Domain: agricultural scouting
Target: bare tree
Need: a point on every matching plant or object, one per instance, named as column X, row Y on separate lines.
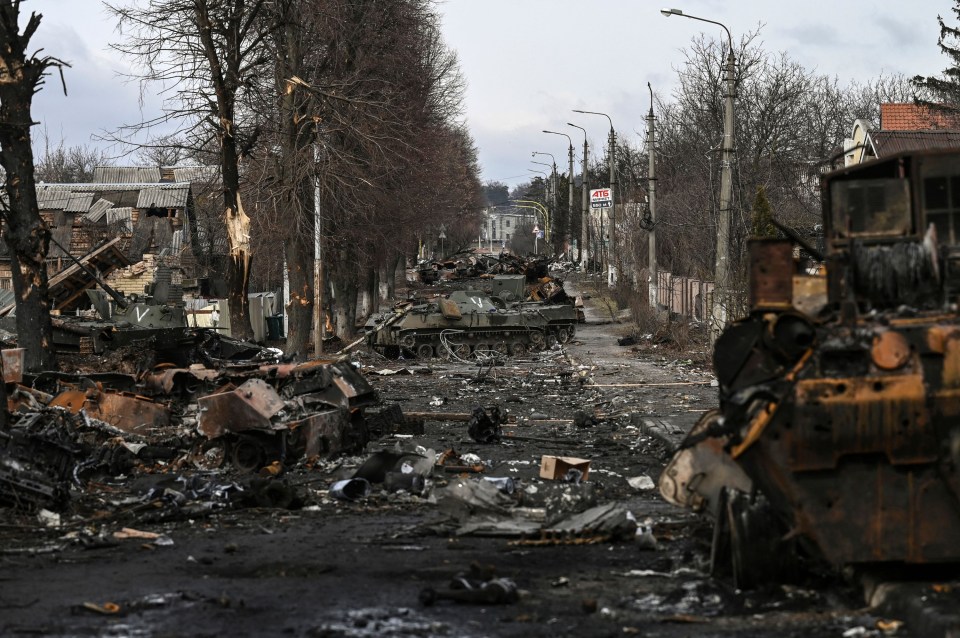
column 58, row 163
column 27, row 236
column 205, row 55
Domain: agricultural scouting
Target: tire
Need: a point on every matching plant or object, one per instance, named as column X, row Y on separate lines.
column 563, row 335
column 501, row 348
column 425, row 351
column 518, row 349
column 482, row 349
column 551, row 339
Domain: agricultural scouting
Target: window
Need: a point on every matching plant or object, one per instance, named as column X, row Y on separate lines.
column 941, row 199
column 871, row 208
column 508, row 234
column 508, row 226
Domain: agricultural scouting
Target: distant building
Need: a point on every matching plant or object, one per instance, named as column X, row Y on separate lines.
column 500, row 224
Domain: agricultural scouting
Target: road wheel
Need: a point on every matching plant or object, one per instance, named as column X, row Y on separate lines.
column 536, row 340
column 551, row 339
column 246, row 455
column 563, row 335
column 460, row 350
column 425, row 351
column 518, row 349
column 408, row 341
column 482, row 349
column 501, row 348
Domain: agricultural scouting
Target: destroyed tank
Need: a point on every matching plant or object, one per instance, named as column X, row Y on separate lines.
column 837, row 438
column 467, row 323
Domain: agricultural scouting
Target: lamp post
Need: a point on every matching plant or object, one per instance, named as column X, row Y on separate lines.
column 569, row 180
column 721, row 273
column 553, row 184
column 585, row 199
column 540, row 208
column 612, row 270
column 552, row 178
column 652, row 200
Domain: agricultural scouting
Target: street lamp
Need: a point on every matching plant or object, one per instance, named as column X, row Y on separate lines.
column 585, row 199
column 570, row 180
column 721, row 273
column 612, row 275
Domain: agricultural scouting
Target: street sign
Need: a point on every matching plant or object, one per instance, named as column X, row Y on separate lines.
column 535, row 230
column 601, row 198
column 539, row 234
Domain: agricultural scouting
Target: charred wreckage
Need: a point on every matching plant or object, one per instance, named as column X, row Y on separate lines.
column 837, row 435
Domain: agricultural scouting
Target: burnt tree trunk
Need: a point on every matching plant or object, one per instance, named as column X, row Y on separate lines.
column 27, row 236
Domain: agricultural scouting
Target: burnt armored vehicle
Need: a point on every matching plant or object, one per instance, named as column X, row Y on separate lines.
column 838, row 432
column 467, row 323
column 560, row 312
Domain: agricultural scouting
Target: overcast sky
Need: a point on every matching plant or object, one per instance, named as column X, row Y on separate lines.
column 529, row 62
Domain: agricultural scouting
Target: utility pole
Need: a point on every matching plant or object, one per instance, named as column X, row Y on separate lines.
column 721, row 274
column 585, row 200
column 652, row 197
column 569, row 183
column 611, row 152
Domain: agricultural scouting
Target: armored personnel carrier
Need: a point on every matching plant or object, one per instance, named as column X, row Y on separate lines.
column 838, row 432
column 510, row 292
column 464, row 324
column 158, row 314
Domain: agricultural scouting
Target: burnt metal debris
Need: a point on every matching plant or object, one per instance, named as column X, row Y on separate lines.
column 837, row 428
column 245, row 415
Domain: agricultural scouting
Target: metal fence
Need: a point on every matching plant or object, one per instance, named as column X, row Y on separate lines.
column 684, row 296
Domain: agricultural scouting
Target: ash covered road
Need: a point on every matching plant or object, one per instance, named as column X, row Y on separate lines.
column 601, row 557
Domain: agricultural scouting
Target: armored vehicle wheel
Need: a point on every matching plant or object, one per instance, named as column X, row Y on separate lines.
column 563, row 335
column 501, row 348
column 425, row 351
column 551, row 339
column 454, row 350
column 518, row 349
column 536, row 340
column 408, row 341
column 483, row 349
column 246, row 454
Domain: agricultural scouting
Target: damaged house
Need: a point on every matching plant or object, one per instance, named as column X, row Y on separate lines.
column 124, row 226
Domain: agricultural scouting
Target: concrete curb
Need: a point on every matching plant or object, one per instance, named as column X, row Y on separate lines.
column 669, row 434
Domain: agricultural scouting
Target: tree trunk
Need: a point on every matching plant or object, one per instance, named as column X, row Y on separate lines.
column 27, row 236
column 296, row 147
column 345, row 282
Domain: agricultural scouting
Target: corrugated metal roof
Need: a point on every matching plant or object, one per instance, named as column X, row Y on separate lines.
column 98, row 211
column 121, row 215
column 889, row 142
column 196, row 173
column 7, row 297
column 61, row 234
column 166, row 196
column 126, row 174
column 50, row 197
column 79, row 202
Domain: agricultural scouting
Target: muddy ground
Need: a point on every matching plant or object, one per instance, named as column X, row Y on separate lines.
column 327, row 567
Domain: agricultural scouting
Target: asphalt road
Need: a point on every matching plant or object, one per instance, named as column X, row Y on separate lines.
column 339, row 568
